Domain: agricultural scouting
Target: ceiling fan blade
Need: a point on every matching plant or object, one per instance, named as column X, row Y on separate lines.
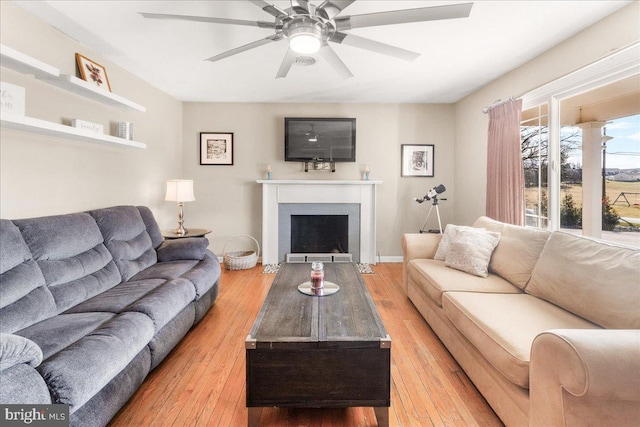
column 334, row 60
column 300, row 6
column 288, row 60
column 374, row 46
column 260, row 24
column 252, row 45
column 271, row 9
column 330, row 8
column 404, row 16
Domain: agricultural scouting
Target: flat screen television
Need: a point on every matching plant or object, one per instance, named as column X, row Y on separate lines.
column 319, row 139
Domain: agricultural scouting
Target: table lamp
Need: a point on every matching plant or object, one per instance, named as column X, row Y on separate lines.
column 180, row 190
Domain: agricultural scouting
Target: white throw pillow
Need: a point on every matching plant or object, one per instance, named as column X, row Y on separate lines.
column 447, row 237
column 470, row 251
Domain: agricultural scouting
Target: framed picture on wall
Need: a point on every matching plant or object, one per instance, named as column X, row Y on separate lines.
column 216, row 148
column 92, row 72
column 416, row 160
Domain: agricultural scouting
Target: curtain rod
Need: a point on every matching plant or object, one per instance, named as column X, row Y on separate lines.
column 497, row 103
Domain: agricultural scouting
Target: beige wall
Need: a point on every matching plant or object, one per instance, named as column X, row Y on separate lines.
column 614, row 32
column 42, row 175
column 230, row 201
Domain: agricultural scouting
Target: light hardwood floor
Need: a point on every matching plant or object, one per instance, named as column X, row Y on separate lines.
column 202, row 381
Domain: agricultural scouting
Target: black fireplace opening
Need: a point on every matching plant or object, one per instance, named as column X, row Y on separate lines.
column 319, row 234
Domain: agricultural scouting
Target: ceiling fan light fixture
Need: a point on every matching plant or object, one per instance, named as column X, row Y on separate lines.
column 305, row 39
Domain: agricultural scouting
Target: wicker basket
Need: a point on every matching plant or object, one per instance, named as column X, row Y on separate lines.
column 240, row 260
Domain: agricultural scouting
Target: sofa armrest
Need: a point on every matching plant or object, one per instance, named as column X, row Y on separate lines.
column 417, row 246
column 183, row 249
column 16, row 350
column 585, row 376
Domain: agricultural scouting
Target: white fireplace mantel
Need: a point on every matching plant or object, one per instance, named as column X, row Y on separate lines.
column 275, row 192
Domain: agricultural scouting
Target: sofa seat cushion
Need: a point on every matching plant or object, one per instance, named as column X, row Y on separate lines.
column 203, row 274
column 166, row 270
column 59, row 332
column 79, row 371
column 503, row 326
column 434, row 278
column 117, row 299
column 158, row 299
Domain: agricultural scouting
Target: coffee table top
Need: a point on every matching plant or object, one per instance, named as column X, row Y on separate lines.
column 345, row 319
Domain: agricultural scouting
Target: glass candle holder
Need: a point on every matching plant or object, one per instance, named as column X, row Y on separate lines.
column 317, row 276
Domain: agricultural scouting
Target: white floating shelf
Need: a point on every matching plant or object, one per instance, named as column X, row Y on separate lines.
column 81, row 87
column 25, row 64
column 29, row 124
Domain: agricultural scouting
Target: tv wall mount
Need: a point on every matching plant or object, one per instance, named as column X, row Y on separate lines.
column 319, row 165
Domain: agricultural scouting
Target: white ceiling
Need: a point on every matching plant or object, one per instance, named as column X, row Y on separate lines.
column 457, row 56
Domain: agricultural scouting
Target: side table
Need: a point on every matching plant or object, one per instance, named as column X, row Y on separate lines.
column 191, row 232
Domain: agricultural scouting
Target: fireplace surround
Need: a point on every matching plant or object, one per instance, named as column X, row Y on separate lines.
column 318, row 197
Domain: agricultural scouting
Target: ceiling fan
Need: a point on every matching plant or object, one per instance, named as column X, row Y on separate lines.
column 309, row 28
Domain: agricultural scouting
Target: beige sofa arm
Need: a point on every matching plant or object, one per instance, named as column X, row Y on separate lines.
column 417, row 246
column 585, row 377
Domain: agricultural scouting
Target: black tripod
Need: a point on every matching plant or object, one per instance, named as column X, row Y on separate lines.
column 434, row 203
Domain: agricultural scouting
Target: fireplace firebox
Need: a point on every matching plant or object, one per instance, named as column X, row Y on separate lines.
column 319, row 228
column 319, row 233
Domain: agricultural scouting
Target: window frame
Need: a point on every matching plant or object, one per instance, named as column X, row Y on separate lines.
column 621, row 64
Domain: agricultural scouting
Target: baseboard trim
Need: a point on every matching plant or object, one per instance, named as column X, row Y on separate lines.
column 389, row 259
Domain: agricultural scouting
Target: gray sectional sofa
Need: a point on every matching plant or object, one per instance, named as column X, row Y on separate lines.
column 91, row 302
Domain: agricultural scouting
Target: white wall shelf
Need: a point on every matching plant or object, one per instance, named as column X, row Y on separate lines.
column 25, row 64
column 43, row 127
column 83, row 88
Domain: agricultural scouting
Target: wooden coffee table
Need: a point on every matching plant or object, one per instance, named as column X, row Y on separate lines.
column 318, row 352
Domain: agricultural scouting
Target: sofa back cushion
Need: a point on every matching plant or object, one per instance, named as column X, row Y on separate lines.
column 488, row 224
column 595, row 280
column 126, row 237
column 70, row 252
column 152, row 226
column 24, row 299
column 517, row 252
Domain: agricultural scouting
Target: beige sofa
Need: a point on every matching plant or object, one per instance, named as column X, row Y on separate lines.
column 551, row 337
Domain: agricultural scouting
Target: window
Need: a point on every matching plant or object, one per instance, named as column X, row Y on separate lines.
column 567, row 148
column 535, row 161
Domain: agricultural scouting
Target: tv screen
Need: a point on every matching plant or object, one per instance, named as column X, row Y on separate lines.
column 319, row 139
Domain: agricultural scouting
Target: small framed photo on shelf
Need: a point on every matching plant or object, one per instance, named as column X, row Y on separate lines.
column 92, row 72
column 216, row 148
column 417, row 160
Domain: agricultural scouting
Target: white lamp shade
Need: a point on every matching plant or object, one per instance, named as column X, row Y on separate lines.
column 179, row 190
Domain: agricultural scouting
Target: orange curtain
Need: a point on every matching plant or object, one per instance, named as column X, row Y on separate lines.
column 505, row 174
